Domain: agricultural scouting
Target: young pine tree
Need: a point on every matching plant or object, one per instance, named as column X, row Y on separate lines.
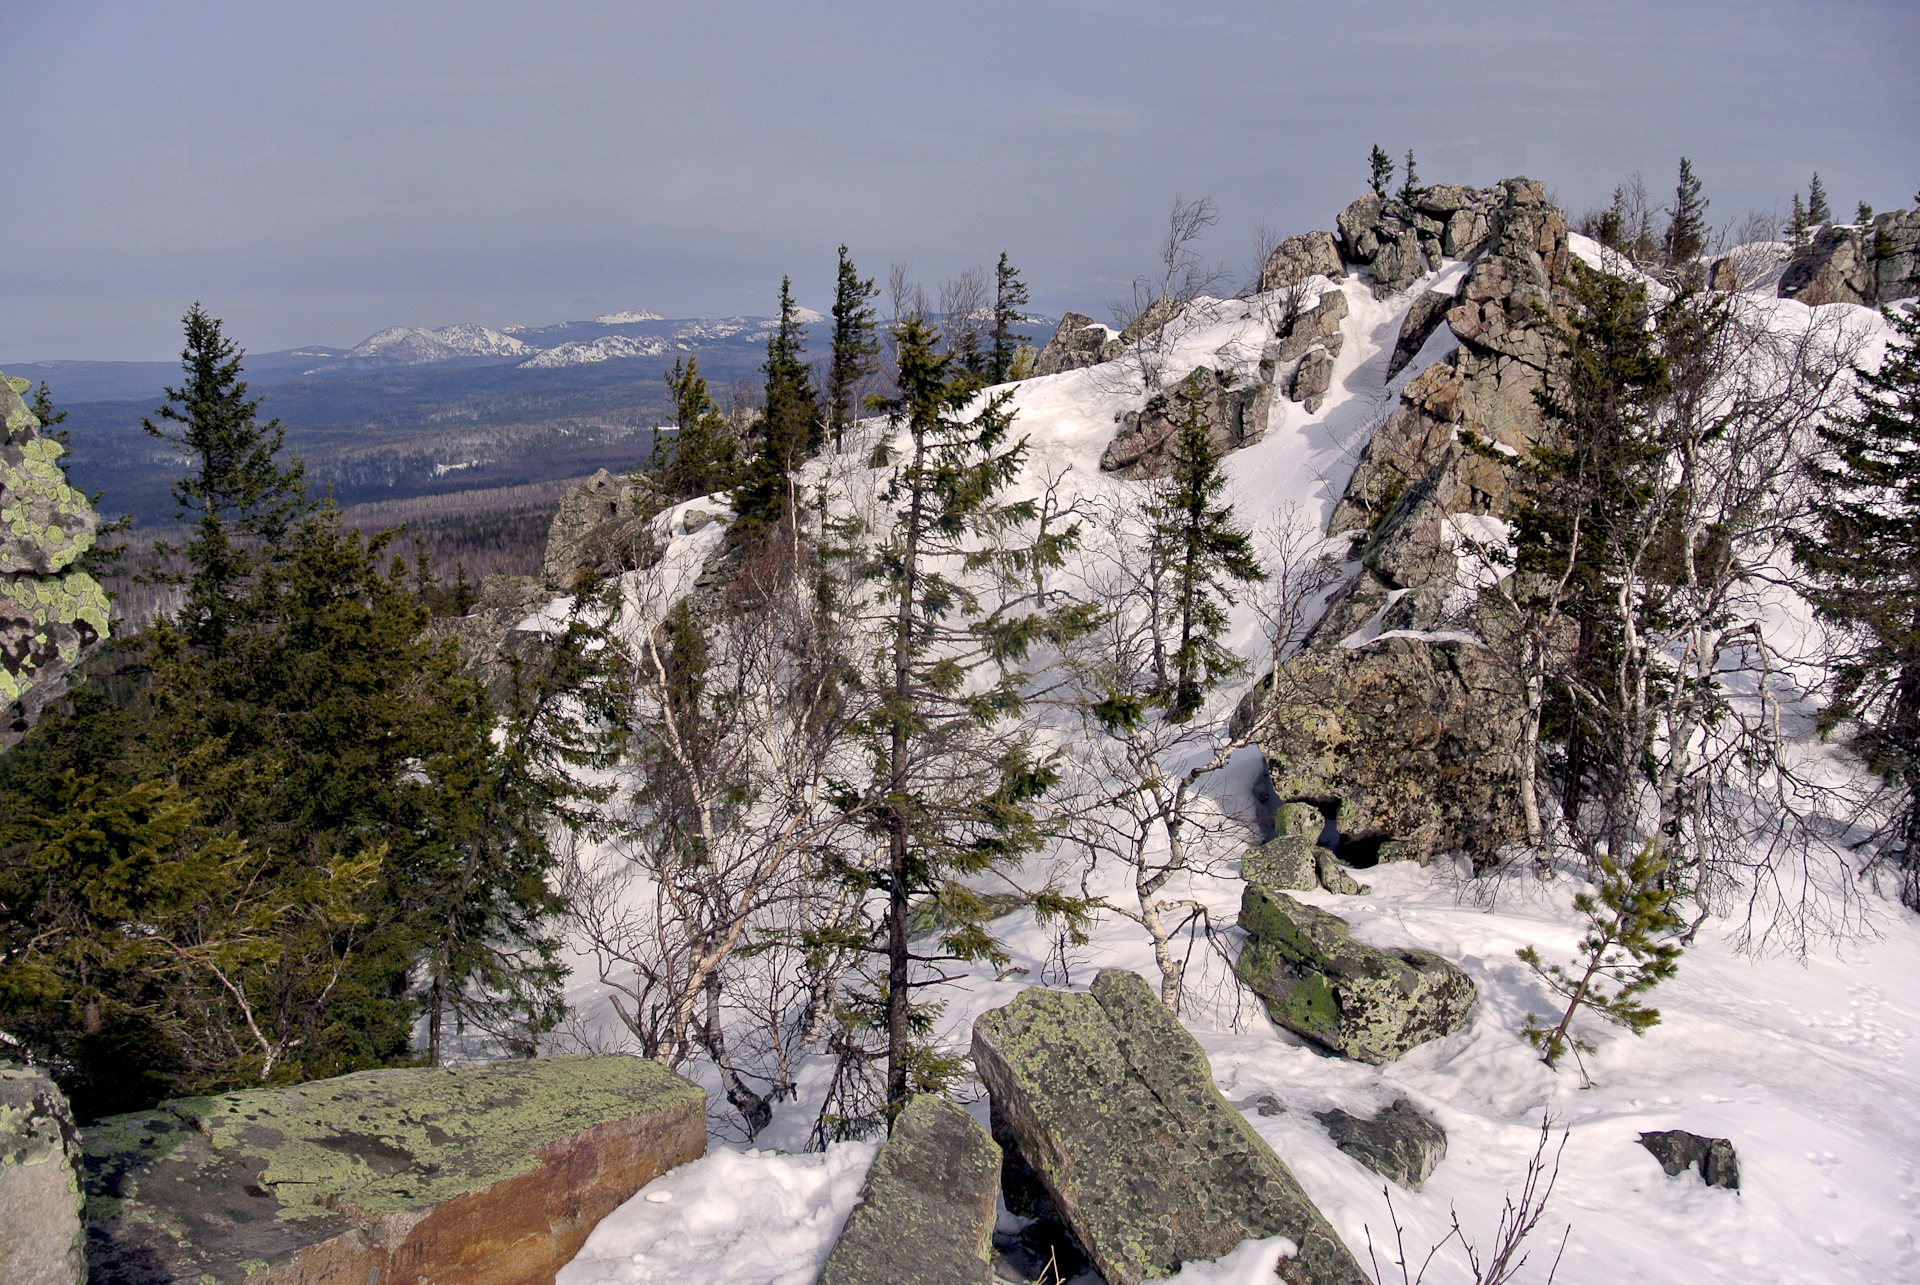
column 1410, row 188
column 1862, row 214
column 1687, row 228
column 1819, row 212
column 702, row 457
column 1797, row 223
column 1009, row 294
column 855, row 348
column 789, row 426
column 1205, row 554
column 1380, row 171
column 1864, row 562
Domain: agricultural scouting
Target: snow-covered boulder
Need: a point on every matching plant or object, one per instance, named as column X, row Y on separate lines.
column 1368, row 1004
column 1236, row 416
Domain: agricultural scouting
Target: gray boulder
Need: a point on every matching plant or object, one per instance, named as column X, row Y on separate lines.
column 41, row 1236
column 603, row 527
column 1869, row 265
column 1677, row 1150
column 1236, row 416
column 1315, row 327
column 1358, row 224
column 1299, row 257
column 1398, row 263
column 1312, row 379
column 1333, row 875
column 926, row 1211
column 1286, row 861
column 1399, row 1144
column 1112, row 1107
column 1368, row 1004
column 1078, row 341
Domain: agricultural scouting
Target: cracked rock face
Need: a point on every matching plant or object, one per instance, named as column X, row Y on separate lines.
column 1236, row 416
column 51, row 612
column 1111, row 1107
column 41, row 1239
column 1869, row 265
column 1361, row 1002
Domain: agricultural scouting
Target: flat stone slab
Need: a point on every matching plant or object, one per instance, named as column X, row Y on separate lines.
column 1368, row 1004
column 40, row 1232
column 1112, row 1106
column 1399, row 1143
column 481, row 1175
column 926, row 1212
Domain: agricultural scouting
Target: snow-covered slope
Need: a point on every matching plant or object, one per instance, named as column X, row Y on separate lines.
column 413, row 346
column 1811, row 1066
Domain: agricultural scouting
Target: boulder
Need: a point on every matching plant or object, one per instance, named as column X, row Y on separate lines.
column 52, row 613
column 1869, row 265
column 1299, row 257
column 1333, row 876
column 926, row 1212
column 1362, row 1002
column 1399, row 1144
column 1315, row 327
column 1286, row 861
column 1078, row 341
column 1112, row 1106
column 1428, row 311
column 1312, row 379
column 1236, row 416
column 1405, row 738
column 481, row 1175
column 1155, row 317
column 1677, row 1150
column 1398, row 263
column 603, row 526
column 41, row 1238
column 1357, row 223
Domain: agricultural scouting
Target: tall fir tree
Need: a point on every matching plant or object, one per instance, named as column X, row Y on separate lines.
column 702, row 457
column 1864, row 562
column 789, row 426
column 1009, row 295
column 856, row 347
column 1205, row 554
column 1818, row 211
column 1379, row 171
column 1687, row 228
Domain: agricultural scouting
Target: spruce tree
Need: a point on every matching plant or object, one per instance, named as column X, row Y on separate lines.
column 1687, row 229
column 1864, row 562
column 1863, row 214
column 1205, row 554
column 702, row 457
column 1410, row 188
column 789, row 426
column 242, row 499
column 1818, row 211
column 1797, row 223
column 1009, row 294
column 1380, row 171
column 855, row 347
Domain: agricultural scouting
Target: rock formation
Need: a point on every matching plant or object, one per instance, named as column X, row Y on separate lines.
column 1111, row 1105
column 51, row 612
column 1299, row 257
column 1870, row 265
column 1078, row 341
column 926, row 1212
column 1368, row 1004
column 1677, row 1151
column 1399, row 1143
column 1236, row 416
column 41, row 1239
column 1398, row 240
column 603, row 526
column 485, row 1175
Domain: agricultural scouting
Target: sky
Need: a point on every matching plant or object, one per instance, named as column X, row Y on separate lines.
column 316, row 172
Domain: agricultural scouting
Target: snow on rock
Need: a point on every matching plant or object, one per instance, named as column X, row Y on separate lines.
column 415, row 346
column 584, row 352
column 626, row 318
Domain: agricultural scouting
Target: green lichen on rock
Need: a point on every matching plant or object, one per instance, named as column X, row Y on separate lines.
column 1284, row 861
column 46, row 622
column 926, row 1211
column 41, row 1240
column 1112, row 1105
column 44, row 523
column 1368, row 1004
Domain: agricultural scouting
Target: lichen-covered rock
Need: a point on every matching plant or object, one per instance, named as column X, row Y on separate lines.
column 1078, row 342
column 1286, row 861
column 41, row 1238
column 1333, row 876
column 1236, row 416
column 926, row 1211
column 1113, row 1106
column 1870, row 265
column 1677, row 1151
column 1299, row 257
column 1312, row 379
column 44, row 523
column 1399, row 1144
column 482, row 1175
column 1365, row 1003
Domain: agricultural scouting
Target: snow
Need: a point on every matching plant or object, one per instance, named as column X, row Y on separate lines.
column 626, row 318
column 584, row 352
column 1810, row 1066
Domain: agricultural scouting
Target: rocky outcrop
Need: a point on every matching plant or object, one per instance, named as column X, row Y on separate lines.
column 1236, row 416
column 1368, row 1004
column 603, row 528
column 1677, row 1151
column 926, row 1211
column 1299, row 257
column 482, row 1175
column 1429, row 310
column 1869, row 265
column 1399, row 1144
column 1078, row 341
column 41, row 1241
column 1398, row 240
column 1111, row 1105
column 51, row 611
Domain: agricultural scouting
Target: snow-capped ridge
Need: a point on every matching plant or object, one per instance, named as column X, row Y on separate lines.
column 627, row 318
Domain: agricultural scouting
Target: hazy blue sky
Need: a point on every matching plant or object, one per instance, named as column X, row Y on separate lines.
column 314, row 172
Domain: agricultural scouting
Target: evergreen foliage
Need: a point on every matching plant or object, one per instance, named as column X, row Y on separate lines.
column 1863, row 214
column 1687, row 227
column 1410, row 188
column 1009, row 295
column 1797, row 222
column 1818, row 211
column 856, row 348
column 789, row 426
column 1864, row 560
column 1624, row 954
column 703, row 457
column 1380, row 171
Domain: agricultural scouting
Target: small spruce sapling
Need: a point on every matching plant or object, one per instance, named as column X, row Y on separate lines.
column 1382, row 176
column 1410, row 189
column 1863, row 214
column 1687, row 230
column 1797, row 223
column 1622, row 956
column 1818, row 210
